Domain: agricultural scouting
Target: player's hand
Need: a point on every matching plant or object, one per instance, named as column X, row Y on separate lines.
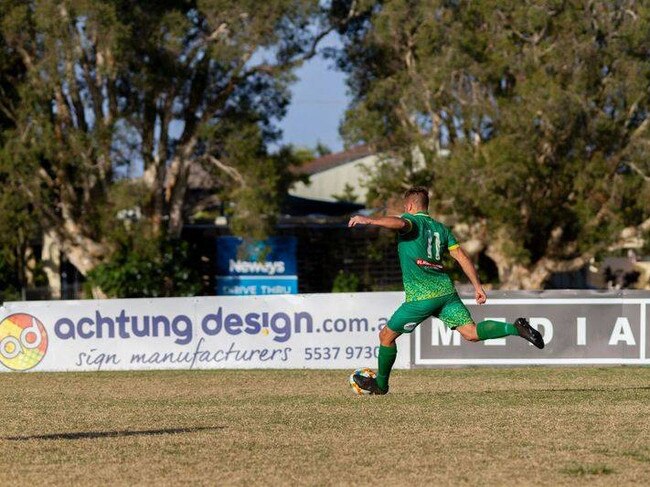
column 358, row 220
column 480, row 295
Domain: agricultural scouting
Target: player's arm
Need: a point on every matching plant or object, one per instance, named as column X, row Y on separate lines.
column 391, row 222
column 470, row 271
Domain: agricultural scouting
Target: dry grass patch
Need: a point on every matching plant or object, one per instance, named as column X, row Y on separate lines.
column 523, row 426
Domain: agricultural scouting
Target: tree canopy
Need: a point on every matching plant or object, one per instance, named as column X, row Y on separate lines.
column 527, row 119
column 116, row 100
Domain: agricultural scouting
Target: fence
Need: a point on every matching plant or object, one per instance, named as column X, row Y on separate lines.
column 310, row 331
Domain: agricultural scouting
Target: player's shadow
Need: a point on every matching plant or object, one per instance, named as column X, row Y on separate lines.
column 78, row 435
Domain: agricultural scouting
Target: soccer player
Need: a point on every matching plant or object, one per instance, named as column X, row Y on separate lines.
column 421, row 244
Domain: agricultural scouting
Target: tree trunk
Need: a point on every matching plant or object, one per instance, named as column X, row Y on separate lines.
column 84, row 262
column 82, row 252
column 154, row 179
column 175, row 190
column 513, row 275
column 518, row 276
column 51, row 259
column 177, row 198
column 98, row 293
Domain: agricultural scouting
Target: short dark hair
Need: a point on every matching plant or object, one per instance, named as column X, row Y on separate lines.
column 420, row 194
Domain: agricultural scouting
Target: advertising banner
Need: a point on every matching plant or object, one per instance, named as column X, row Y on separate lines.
column 302, row 331
column 578, row 328
column 318, row 331
column 256, row 267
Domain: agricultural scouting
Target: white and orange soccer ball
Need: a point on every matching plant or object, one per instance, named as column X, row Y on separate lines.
column 365, row 372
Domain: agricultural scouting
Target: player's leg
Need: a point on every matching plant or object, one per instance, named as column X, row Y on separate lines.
column 468, row 332
column 404, row 320
column 385, row 360
column 456, row 316
column 387, row 356
column 486, row 330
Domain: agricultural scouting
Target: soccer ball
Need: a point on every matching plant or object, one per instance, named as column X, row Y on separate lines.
column 365, row 372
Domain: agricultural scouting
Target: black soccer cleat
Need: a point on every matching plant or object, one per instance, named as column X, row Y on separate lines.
column 368, row 384
column 529, row 333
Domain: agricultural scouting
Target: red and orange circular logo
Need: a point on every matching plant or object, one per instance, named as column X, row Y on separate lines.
column 23, row 341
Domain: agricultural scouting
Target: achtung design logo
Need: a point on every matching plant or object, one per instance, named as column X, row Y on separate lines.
column 23, row 341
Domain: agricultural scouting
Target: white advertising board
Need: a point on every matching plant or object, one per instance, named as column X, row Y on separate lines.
column 579, row 328
column 291, row 331
column 318, row 331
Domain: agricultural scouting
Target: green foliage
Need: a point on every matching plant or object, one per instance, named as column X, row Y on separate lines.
column 254, row 201
column 147, row 268
column 302, row 154
column 347, row 194
column 94, row 91
column 17, row 231
column 528, row 118
column 8, row 282
column 346, row 282
column 16, row 226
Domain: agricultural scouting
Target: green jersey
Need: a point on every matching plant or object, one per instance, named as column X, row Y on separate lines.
column 421, row 248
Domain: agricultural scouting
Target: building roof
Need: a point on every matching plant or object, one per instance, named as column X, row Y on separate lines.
column 334, row 160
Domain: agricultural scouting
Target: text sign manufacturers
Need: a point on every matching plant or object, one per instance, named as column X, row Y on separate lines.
column 256, row 267
column 301, row 331
column 578, row 328
column 309, row 331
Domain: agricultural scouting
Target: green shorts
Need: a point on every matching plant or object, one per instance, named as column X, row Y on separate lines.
column 450, row 309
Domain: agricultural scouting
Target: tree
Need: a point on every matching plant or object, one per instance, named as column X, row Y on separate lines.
column 529, row 121
column 16, row 227
column 123, row 87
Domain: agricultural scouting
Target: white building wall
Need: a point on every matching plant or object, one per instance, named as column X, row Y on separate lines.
column 332, row 181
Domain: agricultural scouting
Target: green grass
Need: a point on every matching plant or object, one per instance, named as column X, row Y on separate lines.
column 473, row 426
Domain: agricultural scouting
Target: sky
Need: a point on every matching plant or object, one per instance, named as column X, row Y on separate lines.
column 319, row 99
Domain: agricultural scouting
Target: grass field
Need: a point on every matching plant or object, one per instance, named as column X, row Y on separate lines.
column 523, row 426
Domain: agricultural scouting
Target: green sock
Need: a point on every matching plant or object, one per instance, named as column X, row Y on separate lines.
column 386, row 360
column 495, row 329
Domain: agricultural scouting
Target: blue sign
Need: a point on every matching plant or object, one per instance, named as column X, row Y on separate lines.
column 245, row 285
column 256, row 266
